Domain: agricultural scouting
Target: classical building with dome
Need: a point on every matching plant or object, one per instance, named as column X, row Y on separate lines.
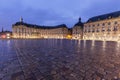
column 103, row 27
column 25, row 30
column 77, row 30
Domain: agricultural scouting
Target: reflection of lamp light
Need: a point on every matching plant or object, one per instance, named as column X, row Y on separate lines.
column 8, row 37
column 79, row 41
column 93, row 43
column 84, row 43
column 118, row 44
column 104, row 44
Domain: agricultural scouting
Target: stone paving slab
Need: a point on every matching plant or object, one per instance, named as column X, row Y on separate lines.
column 59, row 60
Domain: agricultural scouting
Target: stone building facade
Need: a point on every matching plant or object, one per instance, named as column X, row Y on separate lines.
column 103, row 27
column 5, row 34
column 77, row 30
column 24, row 30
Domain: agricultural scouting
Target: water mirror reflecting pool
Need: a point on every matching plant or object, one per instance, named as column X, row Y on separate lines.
column 51, row 59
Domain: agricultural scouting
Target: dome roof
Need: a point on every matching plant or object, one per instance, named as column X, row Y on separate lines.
column 38, row 26
column 79, row 23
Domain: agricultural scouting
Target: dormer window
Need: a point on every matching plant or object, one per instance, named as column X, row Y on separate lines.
column 89, row 20
column 103, row 28
column 109, row 17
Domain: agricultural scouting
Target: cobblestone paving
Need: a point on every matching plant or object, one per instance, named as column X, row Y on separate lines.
column 59, row 60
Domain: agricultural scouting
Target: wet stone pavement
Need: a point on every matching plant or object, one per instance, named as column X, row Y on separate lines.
column 59, row 60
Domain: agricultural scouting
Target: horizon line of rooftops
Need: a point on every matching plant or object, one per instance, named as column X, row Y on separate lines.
column 79, row 23
column 21, row 22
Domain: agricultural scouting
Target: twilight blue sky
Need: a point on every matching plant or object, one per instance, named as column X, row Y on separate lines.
column 53, row 12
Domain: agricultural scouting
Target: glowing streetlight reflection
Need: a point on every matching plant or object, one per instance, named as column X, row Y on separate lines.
column 93, row 44
column 79, row 42
column 104, row 44
column 118, row 46
column 84, row 43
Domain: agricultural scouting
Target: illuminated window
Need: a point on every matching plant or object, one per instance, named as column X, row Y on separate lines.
column 8, row 34
column 103, row 28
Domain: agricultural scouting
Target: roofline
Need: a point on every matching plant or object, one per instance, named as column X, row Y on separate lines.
column 101, row 16
column 38, row 26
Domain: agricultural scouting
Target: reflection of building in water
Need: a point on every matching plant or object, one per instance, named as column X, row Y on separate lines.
column 24, row 30
column 77, row 31
column 103, row 27
column 5, row 34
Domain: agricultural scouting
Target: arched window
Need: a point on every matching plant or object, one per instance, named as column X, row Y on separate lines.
column 103, row 28
column 109, row 23
column 103, row 24
column 115, row 22
column 115, row 28
column 98, row 24
column 108, row 28
column 97, row 30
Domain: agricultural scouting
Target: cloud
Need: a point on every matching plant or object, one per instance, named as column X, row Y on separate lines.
column 46, row 12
